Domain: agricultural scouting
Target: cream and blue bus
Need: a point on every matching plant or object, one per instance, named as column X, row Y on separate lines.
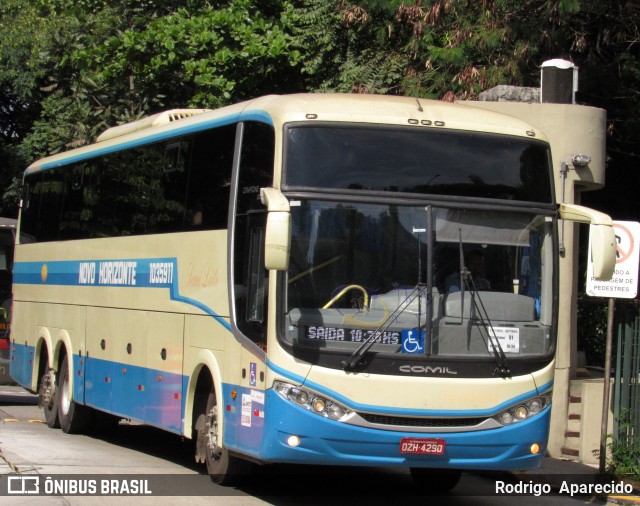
column 317, row 279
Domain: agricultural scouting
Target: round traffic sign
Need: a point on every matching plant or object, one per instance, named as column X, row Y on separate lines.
column 625, row 243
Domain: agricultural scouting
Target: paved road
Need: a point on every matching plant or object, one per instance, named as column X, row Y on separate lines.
column 29, row 447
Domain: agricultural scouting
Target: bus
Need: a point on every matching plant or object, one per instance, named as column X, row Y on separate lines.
column 272, row 280
column 7, row 241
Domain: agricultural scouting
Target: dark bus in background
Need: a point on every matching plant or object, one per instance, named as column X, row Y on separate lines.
column 7, row 240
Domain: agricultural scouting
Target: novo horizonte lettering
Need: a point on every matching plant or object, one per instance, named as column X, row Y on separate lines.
column 123, row 272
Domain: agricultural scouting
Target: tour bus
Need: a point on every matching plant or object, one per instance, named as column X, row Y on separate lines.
column 289, row 280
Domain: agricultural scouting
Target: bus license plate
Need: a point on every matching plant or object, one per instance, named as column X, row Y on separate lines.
column 422, row 446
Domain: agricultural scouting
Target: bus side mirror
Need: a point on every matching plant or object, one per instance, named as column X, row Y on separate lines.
column 603, row 251
column 603, row 239
column 278, row 234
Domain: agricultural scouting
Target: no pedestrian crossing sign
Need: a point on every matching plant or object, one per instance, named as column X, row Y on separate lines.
column 624, row 283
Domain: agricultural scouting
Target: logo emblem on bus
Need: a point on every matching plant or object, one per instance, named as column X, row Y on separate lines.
column 427, row 369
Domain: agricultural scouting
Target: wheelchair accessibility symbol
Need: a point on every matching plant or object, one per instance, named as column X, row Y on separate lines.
column 413, row 341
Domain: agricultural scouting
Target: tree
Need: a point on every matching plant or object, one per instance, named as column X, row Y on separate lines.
column 75, row 67
column 605, row 42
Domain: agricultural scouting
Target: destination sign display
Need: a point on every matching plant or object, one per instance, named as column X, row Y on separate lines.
column 351, row 335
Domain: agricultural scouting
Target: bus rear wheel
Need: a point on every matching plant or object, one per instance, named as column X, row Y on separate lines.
column 73, row 416
column 48, row 399
column 224, row 469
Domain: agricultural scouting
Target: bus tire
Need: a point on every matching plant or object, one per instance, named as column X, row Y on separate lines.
column 435, row 480
column 48, row 398
column 223, row 469
column 73, row 416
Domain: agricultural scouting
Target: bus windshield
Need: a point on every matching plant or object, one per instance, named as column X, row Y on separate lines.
column 457, row 279
column 417, row 160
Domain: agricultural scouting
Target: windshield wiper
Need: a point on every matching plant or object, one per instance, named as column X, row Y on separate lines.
column 356, row 356
column 466, row 280
column 502, row 367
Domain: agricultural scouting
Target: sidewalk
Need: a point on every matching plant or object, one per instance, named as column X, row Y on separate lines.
column 561, row 475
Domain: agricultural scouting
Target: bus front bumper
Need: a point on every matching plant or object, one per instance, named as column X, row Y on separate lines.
column 323, row 441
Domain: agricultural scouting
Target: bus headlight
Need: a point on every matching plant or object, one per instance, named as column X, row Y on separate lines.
column 302, row 397
column 524, row 410
column 521, row 412
column 311, row 401
column 319, row 404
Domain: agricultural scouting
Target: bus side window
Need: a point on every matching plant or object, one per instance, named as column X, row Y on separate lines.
column 211, row 162
column 256, row 277
column 52, row 191
column 173, row 162
column 30, row 205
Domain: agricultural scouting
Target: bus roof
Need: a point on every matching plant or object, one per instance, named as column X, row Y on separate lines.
column 280, row 109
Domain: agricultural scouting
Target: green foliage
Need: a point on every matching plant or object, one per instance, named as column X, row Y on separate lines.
column 10, row 198
column 199, row 58
column 96, row 63
column 432, row 48
column 623, row 459
column 25, row 43
column 73, row 67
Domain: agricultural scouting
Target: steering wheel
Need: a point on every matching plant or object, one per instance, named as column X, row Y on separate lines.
column 345, row 290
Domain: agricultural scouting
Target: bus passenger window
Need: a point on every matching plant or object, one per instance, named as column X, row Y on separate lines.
column 210, row 179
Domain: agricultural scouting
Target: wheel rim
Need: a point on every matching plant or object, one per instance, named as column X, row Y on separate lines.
column 65, row 401
column 48, row 389
column 214, row 450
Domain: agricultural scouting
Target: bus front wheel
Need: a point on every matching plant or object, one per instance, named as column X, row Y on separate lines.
column 224, row 469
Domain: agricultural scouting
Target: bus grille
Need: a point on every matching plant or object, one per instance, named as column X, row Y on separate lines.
column 405, row 421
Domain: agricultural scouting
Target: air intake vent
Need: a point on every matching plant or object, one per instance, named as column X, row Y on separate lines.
column 162, row 118
column 402, row 421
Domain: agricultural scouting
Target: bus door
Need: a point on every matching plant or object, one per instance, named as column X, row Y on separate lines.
column 250, row 280
column 251, row 314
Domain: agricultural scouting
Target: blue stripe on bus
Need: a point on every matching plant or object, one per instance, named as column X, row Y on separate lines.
column 21, row 363
column 547, row 386
column 147, row 395
column 152, row 396
column 142, row 394
column 261, row 116
column 356, row 406
column 121, row 273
